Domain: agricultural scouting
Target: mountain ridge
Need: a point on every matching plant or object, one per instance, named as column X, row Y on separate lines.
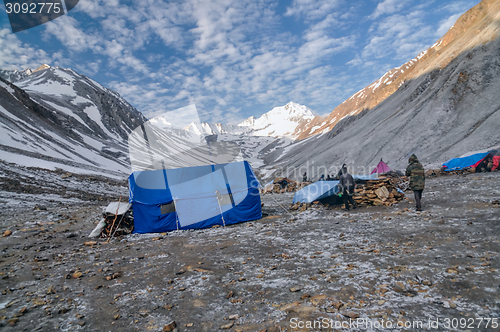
column 77, row 125
column 475, row 27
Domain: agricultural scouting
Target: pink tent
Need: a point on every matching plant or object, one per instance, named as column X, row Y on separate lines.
column 381, row 168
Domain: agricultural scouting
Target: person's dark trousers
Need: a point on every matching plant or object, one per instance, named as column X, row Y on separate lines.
column 347, row 197
column 418, row 199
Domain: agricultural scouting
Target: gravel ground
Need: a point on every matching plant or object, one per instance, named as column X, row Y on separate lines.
column 285, row 272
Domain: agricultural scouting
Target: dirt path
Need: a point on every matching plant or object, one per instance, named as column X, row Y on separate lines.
column 384, row 264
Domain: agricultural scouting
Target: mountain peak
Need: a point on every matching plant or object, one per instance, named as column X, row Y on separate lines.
column 280, row 121
column 42, row 67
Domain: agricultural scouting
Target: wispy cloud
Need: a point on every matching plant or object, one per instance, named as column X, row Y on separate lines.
column 15, row 54
column 389, row 7
column 312, row 10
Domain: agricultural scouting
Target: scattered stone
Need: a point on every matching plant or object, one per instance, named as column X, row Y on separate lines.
column 169, row 327
column 12, row 321
column 113, row 276
column 51, row 290
column 427, row 283
column 350, row 314
column 233, row 317
column 7, row 233
column 227, row 326
column 337, row 305
column 318, row 299
column 77, row 275
column 117, row 316
column 189, row 324
column 295, row 289
column 399, row 287
column 236, row 301
column 229, row 295
column 305, row 296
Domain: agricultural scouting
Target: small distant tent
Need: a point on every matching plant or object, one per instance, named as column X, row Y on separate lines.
column 194, row 197
column 326, row 191
column 381, row 168
column 473, row 160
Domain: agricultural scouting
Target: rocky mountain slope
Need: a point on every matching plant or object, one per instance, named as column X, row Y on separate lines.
column 56, row 118
column 445, row 108
column 477, row 26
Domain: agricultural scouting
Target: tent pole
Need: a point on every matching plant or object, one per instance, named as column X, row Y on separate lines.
column 220, row 209
column 176, row 216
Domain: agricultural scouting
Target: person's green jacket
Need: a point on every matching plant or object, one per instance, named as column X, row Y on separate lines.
column 416, row 173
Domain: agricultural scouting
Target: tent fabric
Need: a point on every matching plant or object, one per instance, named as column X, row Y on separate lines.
column 464, row 162
column 194, row 197
column 381, row 168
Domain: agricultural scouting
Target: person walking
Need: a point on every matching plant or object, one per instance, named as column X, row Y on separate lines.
column 347, row 185
column 304, row 177
column 415, row 171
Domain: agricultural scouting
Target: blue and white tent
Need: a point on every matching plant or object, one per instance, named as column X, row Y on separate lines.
column 194, row 197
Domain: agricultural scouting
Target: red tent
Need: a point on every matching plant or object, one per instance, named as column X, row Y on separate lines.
column 381, row 168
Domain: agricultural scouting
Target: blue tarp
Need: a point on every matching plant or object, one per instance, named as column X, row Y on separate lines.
column 316, row 191
column 322, row 189
column 464, row 162
column 194, row 197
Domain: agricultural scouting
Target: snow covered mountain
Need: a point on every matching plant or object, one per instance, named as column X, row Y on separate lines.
column 281, row 121
column 56, row 118
column 447, row 107
column 476, row 27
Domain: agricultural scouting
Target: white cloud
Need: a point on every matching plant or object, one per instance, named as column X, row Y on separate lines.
column 388, row 7
column 15, row 54
column 66, row 30
column 400, row 37
column 312, row 9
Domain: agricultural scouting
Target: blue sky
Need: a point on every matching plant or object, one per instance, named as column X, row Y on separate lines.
column 232, row 58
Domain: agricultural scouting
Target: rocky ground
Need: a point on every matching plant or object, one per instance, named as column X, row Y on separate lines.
column 375, row 265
